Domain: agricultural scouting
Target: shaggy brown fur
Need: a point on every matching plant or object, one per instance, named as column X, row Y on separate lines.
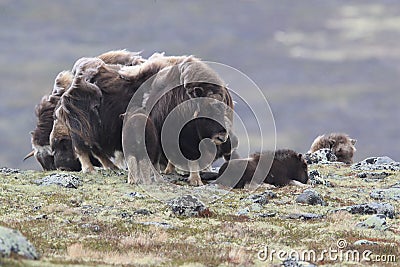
column 56, row 133
column 286, row 167
column 140, row 144
column 340, row 144
column 93, row 105
column 176, row 85
column 122, row 57
column 40, row 136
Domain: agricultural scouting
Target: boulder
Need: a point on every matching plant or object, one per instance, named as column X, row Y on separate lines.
column 310, row 197
column 12, row 242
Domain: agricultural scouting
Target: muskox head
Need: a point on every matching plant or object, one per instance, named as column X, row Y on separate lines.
column 295, row 165
column 340, row 144
column 61, row 145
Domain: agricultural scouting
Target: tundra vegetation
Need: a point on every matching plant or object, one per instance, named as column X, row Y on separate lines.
column 99, row 219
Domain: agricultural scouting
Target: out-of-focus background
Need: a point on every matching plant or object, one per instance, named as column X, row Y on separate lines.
column 324, row 66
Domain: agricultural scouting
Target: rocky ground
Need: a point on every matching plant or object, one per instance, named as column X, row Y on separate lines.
column 346, row 216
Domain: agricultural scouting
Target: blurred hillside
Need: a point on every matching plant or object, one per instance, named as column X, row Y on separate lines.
column 323, row 65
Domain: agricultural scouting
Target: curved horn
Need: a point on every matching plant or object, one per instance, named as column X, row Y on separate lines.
column 30, row 154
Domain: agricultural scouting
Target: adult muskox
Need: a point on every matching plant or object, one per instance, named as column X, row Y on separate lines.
column 191, row 110
column 51, row 143
column 91, row 107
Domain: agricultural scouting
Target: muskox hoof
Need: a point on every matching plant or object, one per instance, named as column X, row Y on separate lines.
column 195, row 180
column 90, row 170
column 170, row 169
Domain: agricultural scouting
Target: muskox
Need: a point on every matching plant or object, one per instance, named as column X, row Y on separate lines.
column 286, row 167
column 340, row 144
column 92, row 105
column 192, row 112
column 52, row 145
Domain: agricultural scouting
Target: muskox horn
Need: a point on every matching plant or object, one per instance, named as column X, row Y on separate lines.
column 30, row 154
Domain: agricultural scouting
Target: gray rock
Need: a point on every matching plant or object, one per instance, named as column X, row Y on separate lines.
column 363, row 242
column 373, row 176
column 392, row 193
column 316, row 178
column 187, row 206
column 267, row 215
column 377, row 222
column 377, row 163
column 60, row 179
column 262, row 198
column 293, row 262
column 310, row 197
column 243, row 212
column 142, row 212
column 304, row 216
column 322, row 156
column 5, row 170
column 135, row 195
column 371, row 208
column 13, row 242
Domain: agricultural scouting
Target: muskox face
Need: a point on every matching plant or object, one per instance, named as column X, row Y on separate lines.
column 344, row 150
column 297, row 168
column 44, row 156
column 64, row 156
column 213, row 115
column 61, row 145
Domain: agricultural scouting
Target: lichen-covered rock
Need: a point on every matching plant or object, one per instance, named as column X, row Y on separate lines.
column 376, row 221
column 293, row 262
column 304, row 216
column 392, row 193
column 316, row 178
column 377, row 163
column 373, row 176
column 13, row 242
column 188, row 206
column 363, row 242
column 6, row 170
column 135, row 195
column 60, row 179
column 322, row 156
column 262, row 198
column 371, row 208
column 310, row 197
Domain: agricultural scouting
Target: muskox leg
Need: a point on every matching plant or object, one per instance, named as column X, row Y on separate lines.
column 194, row 177
column 133, row 170
column 169, row 169
column 105, row 161
column 119, row 160
column 139, row 171
column 84, row 159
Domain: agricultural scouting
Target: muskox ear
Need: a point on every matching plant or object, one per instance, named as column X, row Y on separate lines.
column 195, row 91
column 353, row 141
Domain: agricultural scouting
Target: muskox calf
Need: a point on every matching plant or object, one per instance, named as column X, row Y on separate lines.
column 287, row 167
column 340, row 144
column 140, row 143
